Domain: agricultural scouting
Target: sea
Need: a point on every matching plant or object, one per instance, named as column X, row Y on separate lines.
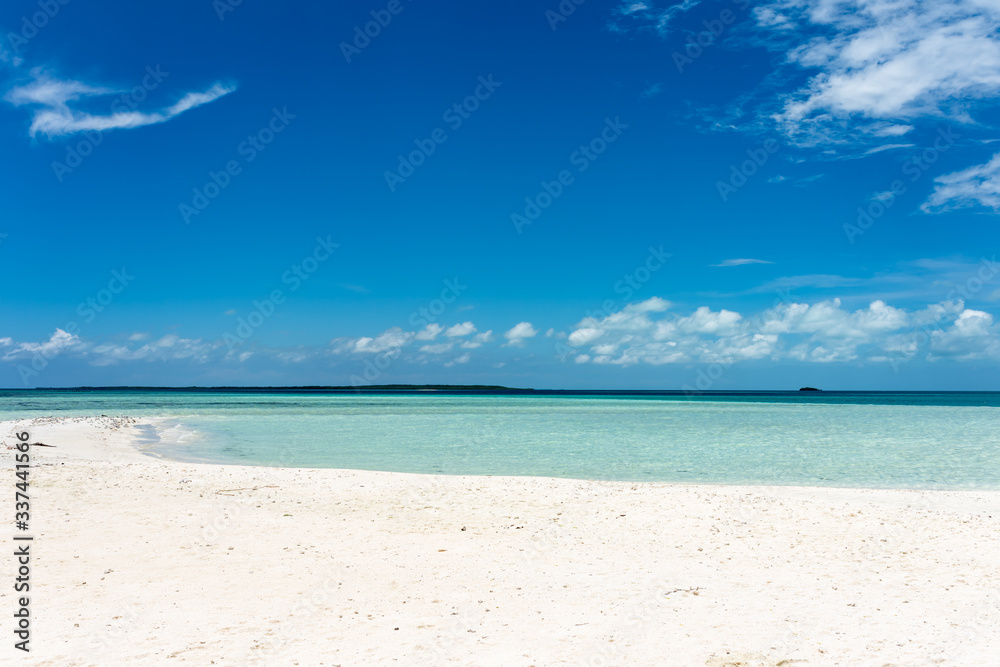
column 902, row 440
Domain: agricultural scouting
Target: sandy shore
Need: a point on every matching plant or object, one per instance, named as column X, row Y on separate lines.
column 138, row 560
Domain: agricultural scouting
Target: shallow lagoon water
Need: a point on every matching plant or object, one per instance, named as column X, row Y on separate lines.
column 921, row 441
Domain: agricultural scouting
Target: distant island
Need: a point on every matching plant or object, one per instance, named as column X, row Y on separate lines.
column 464, row 388
column 499, row 390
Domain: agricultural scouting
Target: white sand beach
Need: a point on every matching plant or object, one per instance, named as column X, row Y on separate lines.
column 138, row 560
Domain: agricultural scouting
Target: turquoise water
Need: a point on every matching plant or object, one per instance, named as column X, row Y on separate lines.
column 943, row 441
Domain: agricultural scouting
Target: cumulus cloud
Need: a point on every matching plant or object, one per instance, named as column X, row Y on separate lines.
column 703, row 320
column 437, row 348
column 632, row 318
column 821, row 332
column 585, row 335
column 56, row 109
column 169, row 347
column 478, row 340
column 519, row 332
column 429, row 332
column 58, row 342
column 463, row 329
column 392, row 339
column 413, row 346
column 972, row 335
column 828, row 318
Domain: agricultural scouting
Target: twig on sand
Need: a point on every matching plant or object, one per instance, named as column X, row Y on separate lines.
column 34, row 444
column 225, row 492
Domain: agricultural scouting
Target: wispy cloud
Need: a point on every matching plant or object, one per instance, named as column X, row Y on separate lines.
column 884, row 147
column 888, row 61
column 651, row 91
column 631, row 14
column 805, row 181
column 741, row 262
column 867, row 73
column 54, row 100
column 975, row 186
column 819, row 281
column 464, row 359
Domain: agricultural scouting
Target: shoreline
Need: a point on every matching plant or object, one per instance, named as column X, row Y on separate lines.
column 253, row 564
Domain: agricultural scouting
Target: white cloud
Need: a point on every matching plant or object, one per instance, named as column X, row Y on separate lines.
column 888, row 130
column 167, row 348
column 520, row 331
column 652, row 305
column 649, row 332
column 972, row 336
column 459, row 360
column 703, row 320
column 830, row 320
column 885, row 60
column 395, row 341
column 632, row 318
column 58, row 342
column 463, row 329
column 872, row 71
column 741, row 262
column 392, row 339
column 54, row 99
column 822, row 332
column 633, row 7
column 437, row 348
column 478, row 340
column 429, row 332
column 585, row 335
column 769, row 17
column 975, row 186
column 885, row 147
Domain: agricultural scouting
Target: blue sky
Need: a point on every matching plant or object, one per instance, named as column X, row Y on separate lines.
column 707, row 195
